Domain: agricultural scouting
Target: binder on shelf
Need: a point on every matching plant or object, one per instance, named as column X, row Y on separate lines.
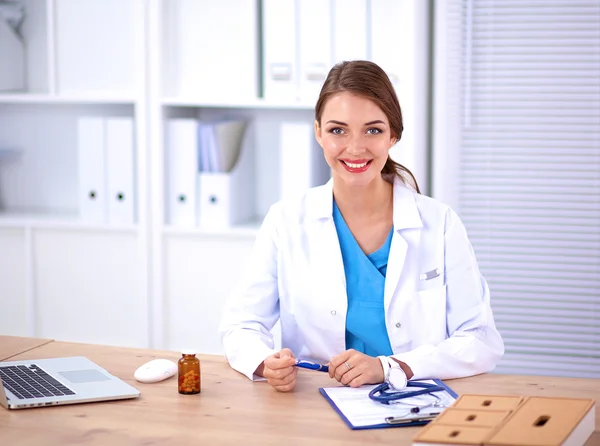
column 120, row 170
column 225, row 188
column 12, row 48
column 349, row 33
column 84, row 48
column 314, row 24
column 301, row 161
column 182, row 171
column 279, row 51
column 223, row 72
column 93, row 199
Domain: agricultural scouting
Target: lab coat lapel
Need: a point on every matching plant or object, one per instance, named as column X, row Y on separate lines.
column 330, row 265
column 326, row 253
column 407, row 221
column 396, row 260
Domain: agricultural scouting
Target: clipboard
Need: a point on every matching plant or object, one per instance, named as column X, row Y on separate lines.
column 358, row 411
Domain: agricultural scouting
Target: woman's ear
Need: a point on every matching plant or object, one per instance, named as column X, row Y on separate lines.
column 318, row 133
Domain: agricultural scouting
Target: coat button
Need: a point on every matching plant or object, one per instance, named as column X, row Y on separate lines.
column 398, row 325
column 333, row 312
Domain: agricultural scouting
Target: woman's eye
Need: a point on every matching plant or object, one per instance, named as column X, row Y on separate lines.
column 374, row 131
column 337, row 130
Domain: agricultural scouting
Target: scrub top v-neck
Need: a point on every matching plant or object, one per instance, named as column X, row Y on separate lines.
column 365, row 281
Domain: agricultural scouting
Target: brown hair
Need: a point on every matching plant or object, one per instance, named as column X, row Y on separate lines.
column 369, row 80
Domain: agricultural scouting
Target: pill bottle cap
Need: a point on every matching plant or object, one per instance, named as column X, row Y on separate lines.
column 188, row 352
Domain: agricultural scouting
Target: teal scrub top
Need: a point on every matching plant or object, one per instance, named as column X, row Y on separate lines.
column 365, row 281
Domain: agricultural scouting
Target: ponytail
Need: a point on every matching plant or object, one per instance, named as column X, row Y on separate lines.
column 405, row 175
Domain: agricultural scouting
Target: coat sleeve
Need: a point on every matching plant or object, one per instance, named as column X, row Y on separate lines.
column 253, row 308
column 474, row 345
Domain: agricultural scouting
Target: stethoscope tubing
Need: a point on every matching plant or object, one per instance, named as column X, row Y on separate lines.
column 388, row 397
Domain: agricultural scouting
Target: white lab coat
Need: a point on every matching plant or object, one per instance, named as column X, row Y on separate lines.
column 441, row 327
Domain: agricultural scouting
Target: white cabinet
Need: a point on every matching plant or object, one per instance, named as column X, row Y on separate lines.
column 200, row 272
column 90, row 287
column 14, row 298
column 138, row 64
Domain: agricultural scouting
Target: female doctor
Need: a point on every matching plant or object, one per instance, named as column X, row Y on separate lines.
column 364, row 273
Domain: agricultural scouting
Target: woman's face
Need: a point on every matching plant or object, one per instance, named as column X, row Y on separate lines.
column 355, row 137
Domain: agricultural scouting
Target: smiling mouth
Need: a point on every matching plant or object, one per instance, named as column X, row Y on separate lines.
column 356, row 165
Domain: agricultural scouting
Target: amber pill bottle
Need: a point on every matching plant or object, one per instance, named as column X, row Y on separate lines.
column 188, row 368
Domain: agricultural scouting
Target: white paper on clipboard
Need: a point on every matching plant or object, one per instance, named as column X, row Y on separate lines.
column 360, row 412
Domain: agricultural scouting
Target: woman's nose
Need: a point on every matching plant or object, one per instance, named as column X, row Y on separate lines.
column 356, row 145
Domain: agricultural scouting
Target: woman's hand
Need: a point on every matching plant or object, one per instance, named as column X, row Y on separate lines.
column 279, row 370
column 354, row 369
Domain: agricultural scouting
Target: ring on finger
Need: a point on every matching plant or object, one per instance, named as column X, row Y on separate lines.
column 347, row 365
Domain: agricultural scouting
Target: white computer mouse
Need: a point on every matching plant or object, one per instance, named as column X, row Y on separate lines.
column 155, row 371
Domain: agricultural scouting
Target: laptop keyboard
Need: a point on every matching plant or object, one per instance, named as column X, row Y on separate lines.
column 31, row 382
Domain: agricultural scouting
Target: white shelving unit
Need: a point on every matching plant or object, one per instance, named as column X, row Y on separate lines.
column 151, row 283
column 54, row 99
column 60, row 276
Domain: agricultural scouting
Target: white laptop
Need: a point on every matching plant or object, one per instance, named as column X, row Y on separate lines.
column 49, row 382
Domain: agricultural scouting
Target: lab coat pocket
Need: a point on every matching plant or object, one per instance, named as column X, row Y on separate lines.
column 430, row 309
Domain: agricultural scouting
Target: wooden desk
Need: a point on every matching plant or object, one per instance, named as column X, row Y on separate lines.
column 230, row 409
column 13, row 345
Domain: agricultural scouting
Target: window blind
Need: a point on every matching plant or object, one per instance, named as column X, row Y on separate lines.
column 517, row 154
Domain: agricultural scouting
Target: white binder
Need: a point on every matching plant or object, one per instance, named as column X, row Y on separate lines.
column 387, row 23
column 314, row 17
column 120, row 167
column 93, row 202
column 349, row 31
column 301, row 160
column 216, row 46
column 279, row 51
column 182, row 171
column 227, row 198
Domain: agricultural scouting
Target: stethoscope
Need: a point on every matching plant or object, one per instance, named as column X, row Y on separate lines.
column 380, row 395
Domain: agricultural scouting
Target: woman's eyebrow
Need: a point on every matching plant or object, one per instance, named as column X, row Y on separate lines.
column 333, row 121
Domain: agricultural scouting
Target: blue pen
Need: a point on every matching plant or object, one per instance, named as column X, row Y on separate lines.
column 311, row 365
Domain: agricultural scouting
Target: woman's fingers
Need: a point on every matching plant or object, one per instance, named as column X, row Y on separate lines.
column 354, row 369
column 357, row 381
column 350, row 375
column 286, row 387
column 286, row 353
column 286, row 379
column 286, row 383
column 281, row 360
column 342, row 370
column 280, row 371
column 339, row 361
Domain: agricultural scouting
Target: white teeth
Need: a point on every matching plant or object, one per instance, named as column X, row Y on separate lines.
column 355, row 166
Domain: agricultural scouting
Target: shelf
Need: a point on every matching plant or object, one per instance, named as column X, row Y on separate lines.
column 55, row 221
column 258, row 104
column 43, row 98
column 249, row 229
